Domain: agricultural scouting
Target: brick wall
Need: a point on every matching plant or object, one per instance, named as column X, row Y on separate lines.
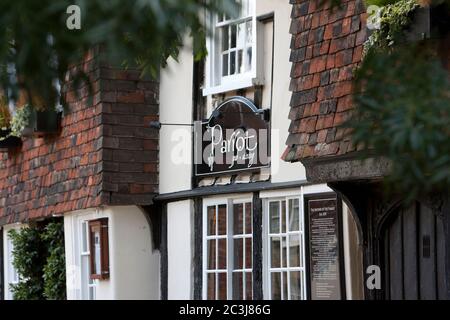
column 105, row 154
column 326, row 46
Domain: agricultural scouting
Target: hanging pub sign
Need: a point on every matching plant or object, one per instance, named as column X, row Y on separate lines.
column 325, row 249
column 235, row 138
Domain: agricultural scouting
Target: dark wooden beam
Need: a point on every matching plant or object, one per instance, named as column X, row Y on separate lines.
column 446, row 221
column 229, row 189
column 198, row 248
column 257, row 247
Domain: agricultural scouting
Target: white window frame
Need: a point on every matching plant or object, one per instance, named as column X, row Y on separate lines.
column 13, row 276
column 84, row 256
column 268, row 270
column 244, row 236
column 229, row 202
column 10, row 273
column 214, row 81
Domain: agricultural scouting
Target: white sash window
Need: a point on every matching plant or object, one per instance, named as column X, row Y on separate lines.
column 285, row 248
column 232, row 62
column 228, row 250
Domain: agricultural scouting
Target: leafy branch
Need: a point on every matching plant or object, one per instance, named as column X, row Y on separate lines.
column 402, row 109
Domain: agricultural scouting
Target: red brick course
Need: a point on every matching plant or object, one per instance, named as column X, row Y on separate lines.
column 326, row 46
column 105, row 154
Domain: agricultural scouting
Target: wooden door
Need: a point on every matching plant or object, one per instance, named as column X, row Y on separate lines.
column 413, row 254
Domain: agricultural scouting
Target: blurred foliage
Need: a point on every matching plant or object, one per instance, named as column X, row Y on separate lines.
column 36, row 47
column 423, row 3
column 55, row 267
column 29, row 254
column 39, row 258
column 402, row 110
column 379, row 3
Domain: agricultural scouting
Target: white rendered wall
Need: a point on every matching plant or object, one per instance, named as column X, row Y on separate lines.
column 179, row 246
column 175, row 149
column 137, row 264
column 281, row 171
column 134, row 265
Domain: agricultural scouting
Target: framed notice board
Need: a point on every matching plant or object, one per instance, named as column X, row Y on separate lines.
column 324, row 247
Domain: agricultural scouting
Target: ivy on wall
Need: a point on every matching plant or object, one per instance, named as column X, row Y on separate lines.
column 38, row 257
column 394, row 19
column 402, row 102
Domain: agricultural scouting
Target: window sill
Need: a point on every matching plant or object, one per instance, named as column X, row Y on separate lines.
column 237, row 84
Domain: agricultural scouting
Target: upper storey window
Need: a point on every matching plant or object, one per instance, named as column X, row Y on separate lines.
column 232, row 59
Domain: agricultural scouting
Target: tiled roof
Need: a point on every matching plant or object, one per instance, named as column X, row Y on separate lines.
column 105, row 153
column 326, row 46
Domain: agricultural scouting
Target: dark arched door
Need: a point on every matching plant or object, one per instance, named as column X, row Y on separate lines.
column 413, row 254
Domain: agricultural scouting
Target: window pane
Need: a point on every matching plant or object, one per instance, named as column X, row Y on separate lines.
column 211, row 220
column 294, row 250
column 274, row 214
column 222, row 215
column 275, row 252
column 225, row 39
column 301, row 253
column 97, row 251
column 225, row 65
column 249, row 32
column 238, row 217
column 238, row 253
column 233, row 62
column 222, row 254
column 294, row 215
column 248, row 253
column 238, row 286
column 248, row 286
column 240, row 65
column 222, row 286
column 211, row 285
column 284, row 255
column 13, row 276
column 91, row 293
column 245, row 9
column 248, row 59
column 84, row 238
column 296, row 293
column 211, row 254
column 276, row 285
column 238, row 4
column 233, row 36
column 85, row 277
column 285, row 286
column 248, row 218
column 241, row 35
column 283, row 216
